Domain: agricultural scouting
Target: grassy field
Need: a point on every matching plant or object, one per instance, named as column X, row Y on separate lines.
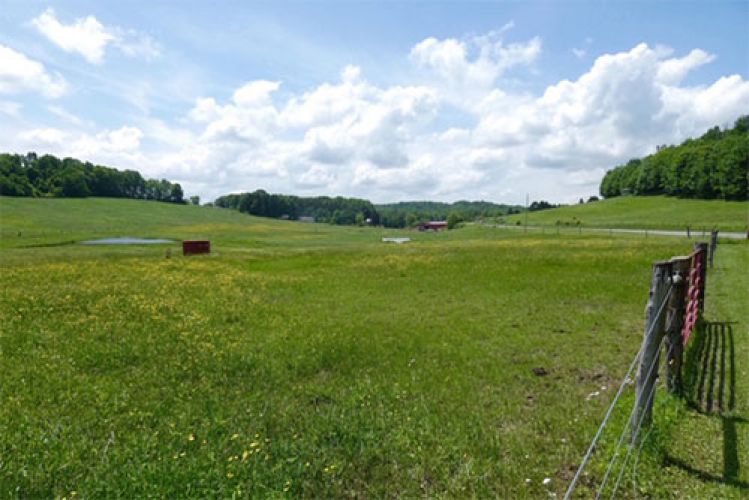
column 312, row 360
column 646, row 212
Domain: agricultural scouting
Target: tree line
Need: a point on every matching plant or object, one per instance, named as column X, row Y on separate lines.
column 355, row 211
column 335, row 210
column 715, row 165
column 47, row 175
column 412, row 213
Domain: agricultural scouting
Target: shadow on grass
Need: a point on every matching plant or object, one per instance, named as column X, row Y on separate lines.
column 710, row 388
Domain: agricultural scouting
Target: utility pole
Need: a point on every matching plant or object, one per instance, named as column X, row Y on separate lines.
column 526, row 212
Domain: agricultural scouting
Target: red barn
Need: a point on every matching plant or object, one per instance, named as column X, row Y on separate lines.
column 433, row 225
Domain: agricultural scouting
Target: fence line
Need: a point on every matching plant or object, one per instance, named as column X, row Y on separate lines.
column 679, row 284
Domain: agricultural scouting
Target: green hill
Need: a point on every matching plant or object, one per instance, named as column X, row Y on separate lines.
column 645, row 212
column 50, row 221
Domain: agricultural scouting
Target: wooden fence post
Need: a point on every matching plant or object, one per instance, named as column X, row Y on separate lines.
column 688, row 233
column 650, row 350
column 675, row 321
column 713, row 244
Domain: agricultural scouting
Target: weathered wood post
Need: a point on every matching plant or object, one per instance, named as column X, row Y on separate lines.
column 676, row 309
column 647, row 372
column 713, row 244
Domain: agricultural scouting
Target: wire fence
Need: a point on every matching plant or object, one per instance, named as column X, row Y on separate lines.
column 675, row 305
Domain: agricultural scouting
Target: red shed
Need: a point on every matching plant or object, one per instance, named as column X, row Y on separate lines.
column 194, row 247
column 433, row 225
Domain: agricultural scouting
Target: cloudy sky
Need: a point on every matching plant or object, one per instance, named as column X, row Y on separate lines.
column 387, row 101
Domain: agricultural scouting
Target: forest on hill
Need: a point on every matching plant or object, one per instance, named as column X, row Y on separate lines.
column 335, row 210
column 47, row 175
column 714, row 166
column 410, row 213
column 348, row 211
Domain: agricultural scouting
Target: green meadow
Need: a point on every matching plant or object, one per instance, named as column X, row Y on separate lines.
column 309, row 360
column 646, row 212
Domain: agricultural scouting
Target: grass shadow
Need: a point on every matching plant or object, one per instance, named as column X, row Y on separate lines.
column 709, row 386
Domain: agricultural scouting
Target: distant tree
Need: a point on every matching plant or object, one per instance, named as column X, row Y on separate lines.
column 15, row 185
column 453, row 220
column 540, row 205
column 72, row 184
column 176, row 195
column 742, row 125
column 411, row 219
column 592, row 199
column 195, row 200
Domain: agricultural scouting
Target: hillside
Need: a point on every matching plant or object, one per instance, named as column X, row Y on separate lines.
column 645, row 212
column 714, row 166
column 50, row 221
column 408, row 213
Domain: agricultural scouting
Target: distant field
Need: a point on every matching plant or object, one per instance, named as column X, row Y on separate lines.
column 49, row 221
column 309, row 360
column 646, row 212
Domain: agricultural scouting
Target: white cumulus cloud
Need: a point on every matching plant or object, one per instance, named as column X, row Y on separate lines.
column 476, row 63
column 88, row 37
column 18, row 74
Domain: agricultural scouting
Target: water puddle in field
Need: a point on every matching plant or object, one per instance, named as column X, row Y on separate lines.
column 127, row 241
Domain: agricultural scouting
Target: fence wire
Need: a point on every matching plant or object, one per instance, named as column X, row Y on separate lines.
column 619, row 392
column 627, row 425
column 636, row 431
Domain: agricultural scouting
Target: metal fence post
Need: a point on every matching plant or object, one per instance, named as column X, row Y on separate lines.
column 650, row 350
column 675, row 321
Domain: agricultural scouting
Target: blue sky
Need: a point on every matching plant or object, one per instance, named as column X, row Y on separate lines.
column 386, row 100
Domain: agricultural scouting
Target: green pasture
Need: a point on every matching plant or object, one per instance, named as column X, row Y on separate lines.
column 646, row 212
column 316, row 361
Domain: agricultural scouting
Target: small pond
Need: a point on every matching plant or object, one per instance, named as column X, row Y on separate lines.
column 127, row 241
